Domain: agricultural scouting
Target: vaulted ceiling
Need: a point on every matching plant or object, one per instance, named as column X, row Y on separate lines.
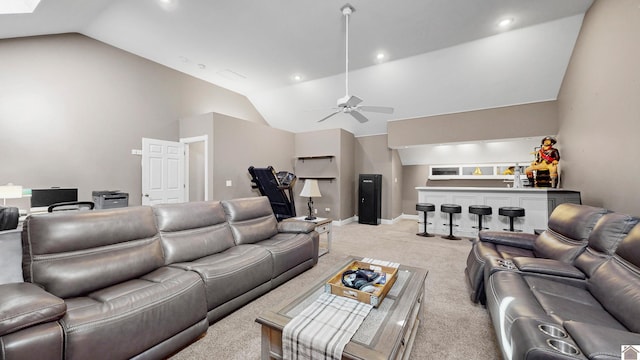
column 441, row 56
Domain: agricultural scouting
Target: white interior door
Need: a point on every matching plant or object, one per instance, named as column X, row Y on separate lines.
column 162, row 172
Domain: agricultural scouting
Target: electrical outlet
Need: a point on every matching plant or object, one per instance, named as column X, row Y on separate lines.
column 327, row 209
column 229, row 183
column 315, row 211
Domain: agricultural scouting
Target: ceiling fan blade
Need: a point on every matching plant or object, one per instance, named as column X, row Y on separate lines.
column 358, row 116
column 378, row 109
column 330, row 115
column 353, row 101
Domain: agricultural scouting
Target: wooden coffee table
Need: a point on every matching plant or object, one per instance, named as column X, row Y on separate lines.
column 387, row 332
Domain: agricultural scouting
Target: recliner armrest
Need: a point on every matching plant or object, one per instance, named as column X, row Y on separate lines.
column 296, row 226
column 600, row 342
column 521, row 240
column 547, row 266
column 24, row 304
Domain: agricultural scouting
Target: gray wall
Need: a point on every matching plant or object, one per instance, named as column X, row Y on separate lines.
column 239, row 144
column 234, row 145
column 599, row 108
column 348, row 181
column 373, row 156
column 72, row 108
column 490, row 124
column 323, row 143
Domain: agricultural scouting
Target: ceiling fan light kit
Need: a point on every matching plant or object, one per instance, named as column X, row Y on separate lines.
column 350, row 104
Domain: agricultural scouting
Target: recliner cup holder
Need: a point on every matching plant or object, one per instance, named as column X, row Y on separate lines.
column 508, row 264
column 552, row 331
column 563, row 347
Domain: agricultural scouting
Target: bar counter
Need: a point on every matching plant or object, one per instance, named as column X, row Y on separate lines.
column 537, row 202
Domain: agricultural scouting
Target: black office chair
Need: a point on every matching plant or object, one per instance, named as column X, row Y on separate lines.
column 71, row 205
column 8, row 218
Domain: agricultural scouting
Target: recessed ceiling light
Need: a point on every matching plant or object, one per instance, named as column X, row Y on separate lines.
column 505, row 22
column 380, row 56
column 297, row 77
column 168, row 4
column 18, row 6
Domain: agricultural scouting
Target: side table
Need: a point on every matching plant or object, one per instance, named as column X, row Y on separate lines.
column 323, row 226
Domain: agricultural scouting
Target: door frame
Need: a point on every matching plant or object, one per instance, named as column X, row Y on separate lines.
column 187, row 141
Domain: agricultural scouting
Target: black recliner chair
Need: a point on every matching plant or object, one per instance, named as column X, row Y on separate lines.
column 8, row 218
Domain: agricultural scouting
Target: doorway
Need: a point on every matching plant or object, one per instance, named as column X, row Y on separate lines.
column 196, row 168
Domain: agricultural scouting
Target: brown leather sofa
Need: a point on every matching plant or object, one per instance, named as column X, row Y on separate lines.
column 143, row 282
column 582, row 304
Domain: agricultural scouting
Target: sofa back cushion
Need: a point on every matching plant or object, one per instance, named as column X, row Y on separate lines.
column 251, row 219
column 192, row 230
column 603, row 240
column 569, row 227
column 616, row 284
column 72, row 253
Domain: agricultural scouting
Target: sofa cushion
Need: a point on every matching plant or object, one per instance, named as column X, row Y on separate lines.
column 566, row 302
column 11, row 256
column 124, row 320
column 569, row 227
column 192, row 230
column 288, row 250
column 74, row 253
column 232, row 273
column 616, row 284
column 24, row 305
column 251, row 219
column 603, row 240
column 599, row 342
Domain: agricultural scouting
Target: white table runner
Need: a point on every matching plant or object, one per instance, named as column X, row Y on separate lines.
column 322, row 330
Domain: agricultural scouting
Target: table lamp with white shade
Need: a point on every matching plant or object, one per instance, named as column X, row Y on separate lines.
column 310, row 190
column 10, row 191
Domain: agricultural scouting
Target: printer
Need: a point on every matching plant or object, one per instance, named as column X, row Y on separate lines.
column 109, row 199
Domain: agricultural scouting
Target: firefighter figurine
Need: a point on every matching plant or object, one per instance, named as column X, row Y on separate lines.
column 546, row 159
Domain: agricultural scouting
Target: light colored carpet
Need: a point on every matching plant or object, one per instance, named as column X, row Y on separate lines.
column 453, row 327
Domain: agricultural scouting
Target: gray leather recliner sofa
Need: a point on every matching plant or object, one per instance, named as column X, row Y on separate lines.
column 582, row 306
column 143, row 282
column 569, row 226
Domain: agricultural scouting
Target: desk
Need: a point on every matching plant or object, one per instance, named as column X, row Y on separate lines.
column 323, row 226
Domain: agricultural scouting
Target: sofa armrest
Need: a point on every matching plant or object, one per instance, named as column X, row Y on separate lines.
column 547, row 266
column 599, row 341
column 521, row 240
column 296, row 226
column 24, row 304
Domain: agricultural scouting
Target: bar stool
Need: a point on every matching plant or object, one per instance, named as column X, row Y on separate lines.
column 426, row 207
column 451, row 209
column 512, row 212
column 480, row 210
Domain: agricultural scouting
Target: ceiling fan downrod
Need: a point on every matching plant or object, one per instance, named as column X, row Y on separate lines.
column 347, row 10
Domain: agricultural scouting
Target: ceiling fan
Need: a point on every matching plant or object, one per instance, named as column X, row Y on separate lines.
column 350, row 104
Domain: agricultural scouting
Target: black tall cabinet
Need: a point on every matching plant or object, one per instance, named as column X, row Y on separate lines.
column 369, row 199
